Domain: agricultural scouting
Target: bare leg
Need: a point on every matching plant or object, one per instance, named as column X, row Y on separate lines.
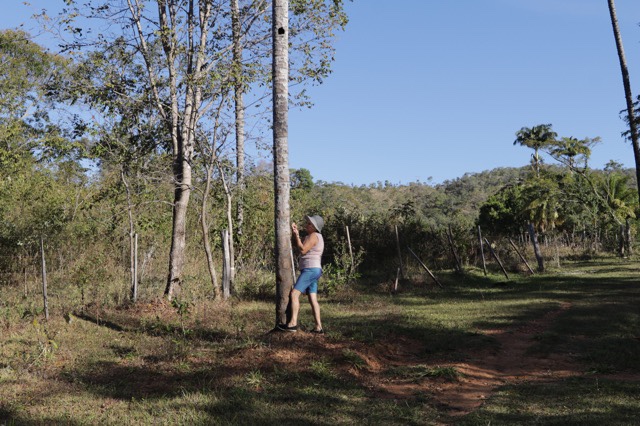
column 295, row 307
column 315, row 307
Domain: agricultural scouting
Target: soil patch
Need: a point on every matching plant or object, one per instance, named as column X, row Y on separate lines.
column 397, row 370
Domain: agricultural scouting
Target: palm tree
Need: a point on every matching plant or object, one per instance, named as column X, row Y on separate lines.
column 620, row 202
column 537, row 138
column 541, row 208
column 627, row 90
column 281, row 182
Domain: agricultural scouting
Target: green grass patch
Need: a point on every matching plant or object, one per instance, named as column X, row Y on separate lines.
column 584, row 401
column 198, row 362
column 419, row 372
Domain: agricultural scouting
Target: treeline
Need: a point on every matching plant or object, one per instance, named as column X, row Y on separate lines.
column 127, row 159
column 86, row 219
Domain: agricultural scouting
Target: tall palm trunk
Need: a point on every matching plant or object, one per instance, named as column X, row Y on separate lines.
column 633, row 127
column 281, row 182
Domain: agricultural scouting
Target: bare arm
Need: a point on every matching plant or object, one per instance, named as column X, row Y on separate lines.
column 309, row 242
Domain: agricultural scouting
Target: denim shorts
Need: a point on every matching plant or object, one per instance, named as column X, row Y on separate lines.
column 308, row 280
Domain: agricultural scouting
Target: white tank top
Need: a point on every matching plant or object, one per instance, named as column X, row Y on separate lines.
column 313, row 257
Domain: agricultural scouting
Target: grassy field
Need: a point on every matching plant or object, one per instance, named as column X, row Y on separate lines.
column 386, row 359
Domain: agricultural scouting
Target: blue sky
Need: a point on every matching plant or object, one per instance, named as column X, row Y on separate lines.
column 431, row 88
column 427, row 90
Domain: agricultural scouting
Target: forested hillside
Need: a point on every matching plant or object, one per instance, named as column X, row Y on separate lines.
column 123, row 166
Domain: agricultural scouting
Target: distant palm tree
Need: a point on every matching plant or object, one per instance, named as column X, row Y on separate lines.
column 620, row 198
column 633, row 125
column 537, row 138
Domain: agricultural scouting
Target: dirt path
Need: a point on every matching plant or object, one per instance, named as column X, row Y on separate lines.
column 485, row 371
column 481, row 374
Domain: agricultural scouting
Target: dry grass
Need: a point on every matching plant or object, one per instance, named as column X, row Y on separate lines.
column 384, row 358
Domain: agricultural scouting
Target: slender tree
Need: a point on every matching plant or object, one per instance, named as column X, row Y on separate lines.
column 238, row 85
column 633, row 125
column 281, row 182
column 185, row 52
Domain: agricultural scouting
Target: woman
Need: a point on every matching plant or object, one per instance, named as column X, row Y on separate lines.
column 311, row 249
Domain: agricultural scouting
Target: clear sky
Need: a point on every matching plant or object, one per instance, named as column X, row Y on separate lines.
column 427, row 90
column 435, row 88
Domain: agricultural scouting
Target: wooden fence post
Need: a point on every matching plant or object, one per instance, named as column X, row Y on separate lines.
column 226, row 265
column 44, row 280
column 495, row 256
column 425, row 267
column 399, row 252
column 350, row 249
column 484, row 263
column 134, row 281
column 395, row 285
column 521, row 256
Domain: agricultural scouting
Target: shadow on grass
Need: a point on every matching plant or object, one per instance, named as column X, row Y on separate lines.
column 223, row 395
column 601, row 327
column 157, row 328
column 15, row 417
column 572, row 402
column 417, row 340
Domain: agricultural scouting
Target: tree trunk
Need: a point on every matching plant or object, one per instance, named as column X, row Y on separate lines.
column 132, row 272
column 204, row 225
column 182, row 175
column 536, row 247
column 239, row 117
column 284, row 266
column 627, row 238
column 633, row 128
column 184, row 44
column 621, row 237
column 454, row 252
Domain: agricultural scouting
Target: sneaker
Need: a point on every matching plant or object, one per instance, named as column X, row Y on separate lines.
column 281, row 327
column 292, row 328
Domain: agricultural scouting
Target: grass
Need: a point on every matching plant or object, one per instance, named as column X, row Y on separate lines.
column 418, row 372
column 204, row 363
column 573, row 402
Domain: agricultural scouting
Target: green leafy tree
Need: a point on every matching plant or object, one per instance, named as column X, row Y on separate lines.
column 572, row 151
column 501, row 214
